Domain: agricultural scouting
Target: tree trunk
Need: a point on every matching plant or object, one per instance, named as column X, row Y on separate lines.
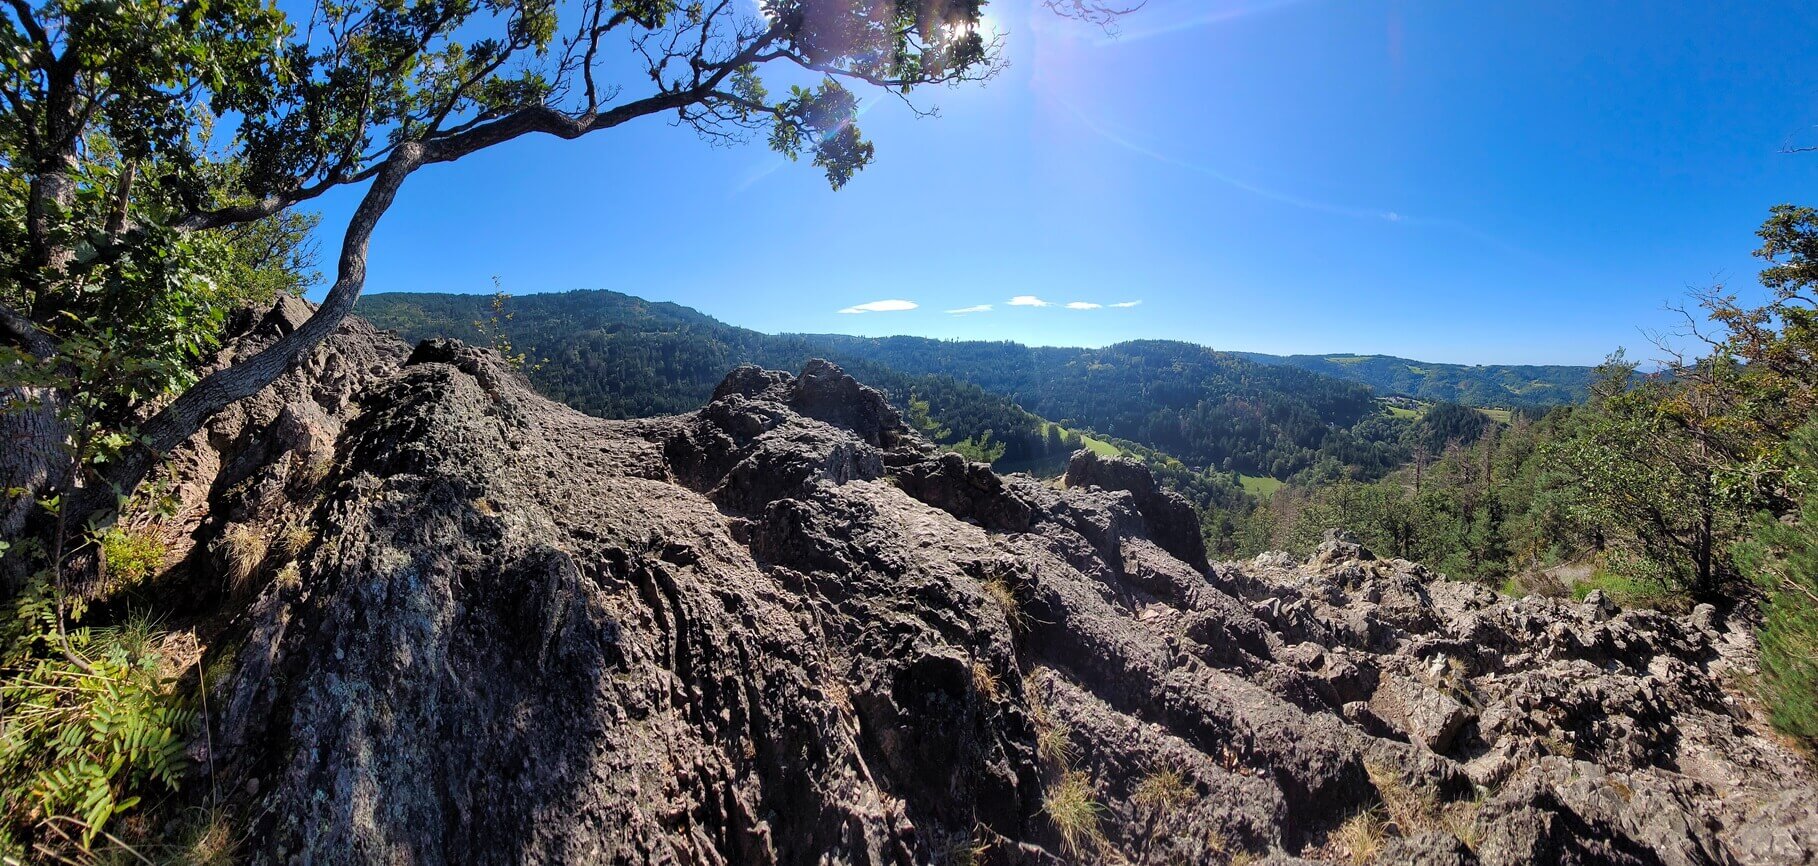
column 33, row 455
column 186, row 415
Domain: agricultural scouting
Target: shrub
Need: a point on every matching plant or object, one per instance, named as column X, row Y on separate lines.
column 130, row 555
column 90, row 723
column 1783, row 558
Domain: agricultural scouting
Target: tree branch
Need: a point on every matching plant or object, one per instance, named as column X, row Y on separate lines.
column 27, row 335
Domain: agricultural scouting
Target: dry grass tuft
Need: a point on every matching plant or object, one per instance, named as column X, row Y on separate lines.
column 1053, row 739
column 1054, row 744
column 999, row 590
column 315, row 469
column 1163, row 791
column 1074, row 813
column 210, row 842
column 961, row 849
column 296, row 537
column 243, row 548
column 1411, row 810
column 985, row 682
column 1460, row 820
column 290, row 576
column 1361, row 837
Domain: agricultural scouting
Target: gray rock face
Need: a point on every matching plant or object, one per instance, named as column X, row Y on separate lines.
column 784, row 630
column 1169, row 516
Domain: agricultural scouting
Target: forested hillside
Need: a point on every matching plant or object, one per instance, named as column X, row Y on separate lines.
column 1472, row 385
column 1209, row 408
column 619, row 356
column 615, row 355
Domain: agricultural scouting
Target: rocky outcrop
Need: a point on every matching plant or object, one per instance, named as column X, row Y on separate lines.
column 1169, row 516
column 784, row 629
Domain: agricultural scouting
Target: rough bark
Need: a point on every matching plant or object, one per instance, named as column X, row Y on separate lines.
column 32, row 439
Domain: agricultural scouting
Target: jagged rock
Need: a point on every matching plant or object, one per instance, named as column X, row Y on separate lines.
column 1339, row 547
column 969, row 491
column 1170, row 517
column 783, row 630
column 1428, row 849
column 1428, row 716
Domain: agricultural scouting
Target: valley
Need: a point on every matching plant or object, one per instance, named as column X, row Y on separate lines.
column 1226, row 430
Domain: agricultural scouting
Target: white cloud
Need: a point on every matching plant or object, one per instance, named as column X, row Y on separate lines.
column 1126, row 303
column 1083, row 305
column 889, row 306
column 980, row 308
column 1027, row 301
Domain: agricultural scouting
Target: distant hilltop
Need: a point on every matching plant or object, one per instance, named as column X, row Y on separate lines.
column 1486, row 385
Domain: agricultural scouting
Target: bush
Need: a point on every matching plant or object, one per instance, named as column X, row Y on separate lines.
column 91, row 723
column 1782, row 556
column 130, row 555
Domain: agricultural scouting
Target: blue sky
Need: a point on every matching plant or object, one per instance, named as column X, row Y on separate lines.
column 1485, row 182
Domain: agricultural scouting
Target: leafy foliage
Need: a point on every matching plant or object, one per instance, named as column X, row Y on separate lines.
column 91, row 722
column 131, row 227
column 1662, row 490
column 1782, row 555
column 129, row 555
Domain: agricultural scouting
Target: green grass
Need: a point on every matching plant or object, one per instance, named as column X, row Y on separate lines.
column 1101, row 447
column 1262, row 486
column 1628, row 591
column 1049, row 465
column 1074, row 811
column 1501, row 416
column 1420, row 408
